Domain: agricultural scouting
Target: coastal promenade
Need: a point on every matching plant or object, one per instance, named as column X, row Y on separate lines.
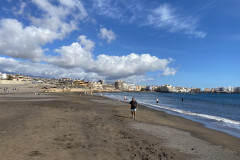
column 67, row 126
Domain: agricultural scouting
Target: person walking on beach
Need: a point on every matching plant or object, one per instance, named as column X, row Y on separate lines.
column 133, row 106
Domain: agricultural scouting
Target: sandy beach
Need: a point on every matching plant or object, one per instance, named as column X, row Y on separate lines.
column 67, row 126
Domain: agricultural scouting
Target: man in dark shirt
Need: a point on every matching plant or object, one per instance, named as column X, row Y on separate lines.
column 134, row 106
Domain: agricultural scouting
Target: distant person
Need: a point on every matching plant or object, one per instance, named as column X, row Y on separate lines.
column 134, row 106
column 157, row 100
column 125, row 98
column 182, row 99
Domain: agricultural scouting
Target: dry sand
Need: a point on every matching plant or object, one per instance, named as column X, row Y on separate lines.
column 23, row 88
column 67, row 126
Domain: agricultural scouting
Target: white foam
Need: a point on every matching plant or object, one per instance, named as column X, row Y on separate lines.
column 206, row 116
column 211, row 117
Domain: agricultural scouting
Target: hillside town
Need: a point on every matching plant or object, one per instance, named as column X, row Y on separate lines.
column 68, row 84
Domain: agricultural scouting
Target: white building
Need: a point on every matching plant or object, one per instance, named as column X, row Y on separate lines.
column 165, row 88
column 3, row 75
column 132, row 87
column 236, row 89
column 220, row 89
column 121, row 85
column 149, row 88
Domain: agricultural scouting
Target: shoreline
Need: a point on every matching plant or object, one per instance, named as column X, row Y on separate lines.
column 88, row 127
column 178, row 122
column 203, row 122
column 215, row 122
column 199, row 130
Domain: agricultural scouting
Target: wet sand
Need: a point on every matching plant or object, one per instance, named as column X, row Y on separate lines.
column 62, row 126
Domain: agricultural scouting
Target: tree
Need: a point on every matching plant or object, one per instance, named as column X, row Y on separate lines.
column 10, row 77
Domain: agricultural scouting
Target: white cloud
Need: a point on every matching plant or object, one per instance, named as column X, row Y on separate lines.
column 19, row 10
column 109, row 35
column 79, row 54
column 138, row 12
column 53, row 22
column 132, row 64
column 131, row 74
column 19, row 42
column 166, row 17
column 63, row 18
column 123, row 11
column 169, row 71
column 107, row 8
column 10, row 65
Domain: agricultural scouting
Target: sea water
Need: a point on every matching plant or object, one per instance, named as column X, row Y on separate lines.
column 217, row 111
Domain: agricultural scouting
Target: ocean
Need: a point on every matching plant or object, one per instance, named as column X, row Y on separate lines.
column 216, row 111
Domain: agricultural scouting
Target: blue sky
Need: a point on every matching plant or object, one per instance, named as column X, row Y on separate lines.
column 182, row 43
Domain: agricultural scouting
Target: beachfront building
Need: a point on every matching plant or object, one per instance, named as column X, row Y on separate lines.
column 37, row 82
column 165, row 88
column 18, row 77
column 179, row 90
column 96, row 85
column 3, row 75
column 220, row 90
column 81, row 83
column 236, row 89
column 195, row 90
column 212, row 90
column 207, row 90
column 108, row 87
column 149, row 88
column 230, row 89
column 138, row 88
column 183, row 90
column 154, row 88
column 66, row 80
column 119, row 84
column 132, row 87
column 125, row 87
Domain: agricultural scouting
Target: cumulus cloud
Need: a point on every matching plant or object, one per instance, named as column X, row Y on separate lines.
column 53, row 22
column 10, row 65
column 166, row 17
column 132, row 64
column 109, row 35
column 23, row 42
column 79, row 54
